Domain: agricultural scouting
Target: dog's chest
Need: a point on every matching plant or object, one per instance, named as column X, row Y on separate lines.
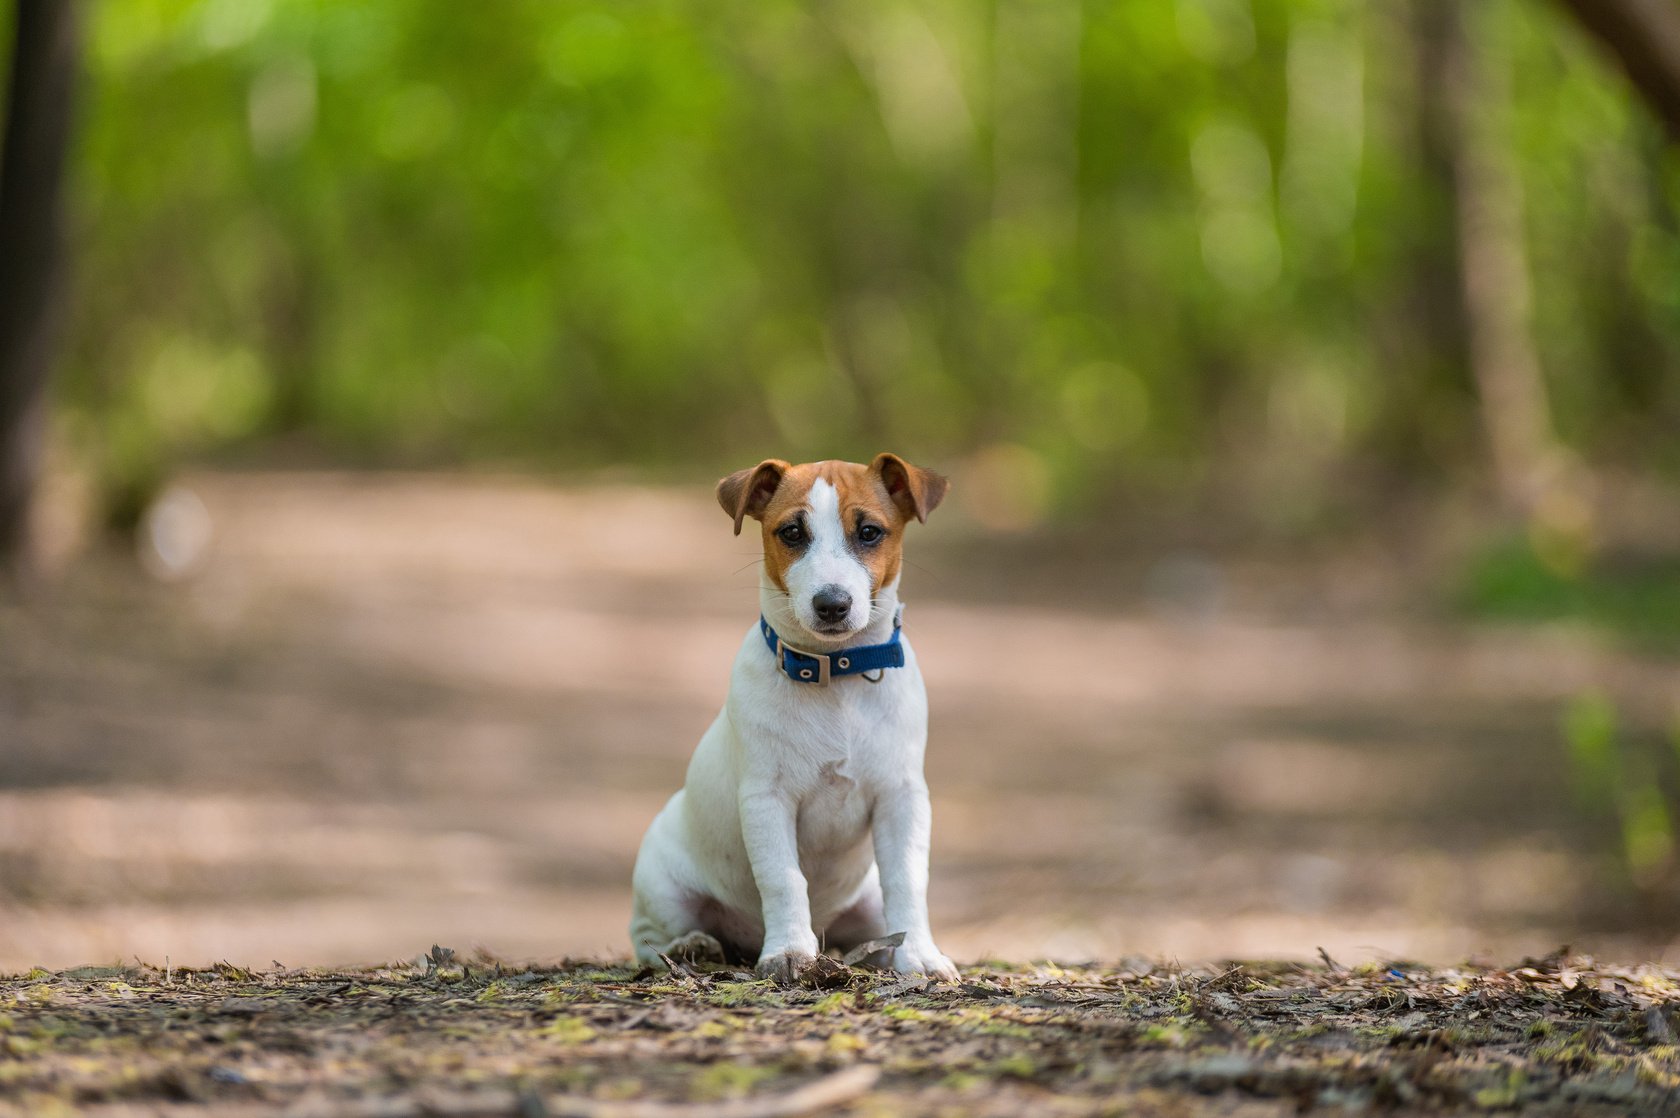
column 827, row 750
column 845, row 750
column 834, row 810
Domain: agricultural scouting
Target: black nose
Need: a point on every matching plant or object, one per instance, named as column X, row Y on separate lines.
column 832, row 604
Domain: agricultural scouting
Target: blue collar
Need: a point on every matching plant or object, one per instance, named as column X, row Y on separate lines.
column 816, row 667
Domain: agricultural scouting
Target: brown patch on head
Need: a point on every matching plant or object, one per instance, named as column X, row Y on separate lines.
column 876, row 503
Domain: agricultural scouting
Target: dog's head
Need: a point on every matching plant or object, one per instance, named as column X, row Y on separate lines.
column 833, row 532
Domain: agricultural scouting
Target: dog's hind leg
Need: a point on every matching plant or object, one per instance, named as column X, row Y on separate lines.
column 669, row 914
column 668, row 926
column 663, row 924
column 695, row 947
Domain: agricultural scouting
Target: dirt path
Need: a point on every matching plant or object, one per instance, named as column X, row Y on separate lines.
column 391, row 710
column 1555, row 1035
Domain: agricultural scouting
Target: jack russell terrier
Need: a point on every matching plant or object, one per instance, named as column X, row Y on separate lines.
column 804, row 821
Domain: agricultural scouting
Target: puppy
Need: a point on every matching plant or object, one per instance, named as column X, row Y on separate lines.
column 804, row 820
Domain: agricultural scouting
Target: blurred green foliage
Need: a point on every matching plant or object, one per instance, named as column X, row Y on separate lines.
column 1638, row 599
column 1150, row 244
column 1632, row 782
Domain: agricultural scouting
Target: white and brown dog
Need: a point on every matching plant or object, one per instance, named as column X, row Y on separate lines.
column 804, row 821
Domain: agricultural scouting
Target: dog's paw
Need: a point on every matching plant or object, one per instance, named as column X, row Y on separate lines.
column 785, row 967
column 925, row 959
column 695, row 947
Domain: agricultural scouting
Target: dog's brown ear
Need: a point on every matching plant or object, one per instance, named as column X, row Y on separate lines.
column 914, row 490
column 744, row 493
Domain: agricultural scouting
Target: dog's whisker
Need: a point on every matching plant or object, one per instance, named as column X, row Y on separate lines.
column 925, row 570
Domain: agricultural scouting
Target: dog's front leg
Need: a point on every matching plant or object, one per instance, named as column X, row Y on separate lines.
column 902, row 828
column 770, row 829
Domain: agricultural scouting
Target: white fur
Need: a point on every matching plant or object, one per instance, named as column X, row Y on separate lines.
column 805, row 812
column 827, row 561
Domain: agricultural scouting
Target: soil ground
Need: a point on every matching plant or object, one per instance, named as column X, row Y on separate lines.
column 1555, row 1035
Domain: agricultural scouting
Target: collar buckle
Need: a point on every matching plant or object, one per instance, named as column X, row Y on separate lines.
column 821, row 672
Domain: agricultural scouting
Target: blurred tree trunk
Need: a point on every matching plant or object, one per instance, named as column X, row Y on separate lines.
column 32, row 155
column 290, row 320
column 1422, row 429
column 1644, row 35
column 1493, row 256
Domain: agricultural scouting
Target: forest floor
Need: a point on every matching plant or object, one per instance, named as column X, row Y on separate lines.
column 436, row 1037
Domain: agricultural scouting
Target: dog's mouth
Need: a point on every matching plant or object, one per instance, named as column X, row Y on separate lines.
column 831, row 630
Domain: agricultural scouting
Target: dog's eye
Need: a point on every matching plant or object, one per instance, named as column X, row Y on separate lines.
column 793, row 535
column 870, row 533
